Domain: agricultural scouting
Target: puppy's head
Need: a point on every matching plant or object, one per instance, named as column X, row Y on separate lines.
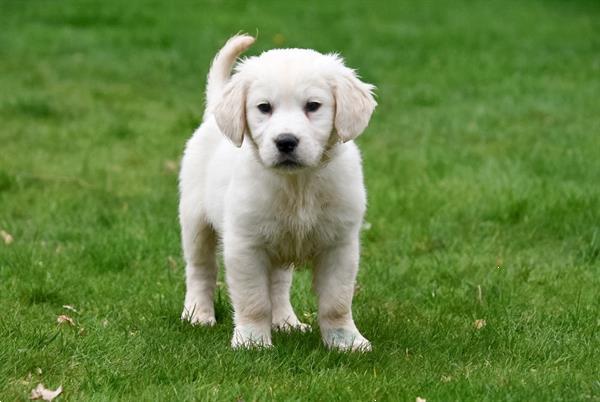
column 292, row 105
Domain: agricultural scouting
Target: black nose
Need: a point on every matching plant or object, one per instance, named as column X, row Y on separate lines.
column 286, row 143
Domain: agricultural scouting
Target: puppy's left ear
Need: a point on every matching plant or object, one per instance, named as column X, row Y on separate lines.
column 354, row 104
column 230, row 112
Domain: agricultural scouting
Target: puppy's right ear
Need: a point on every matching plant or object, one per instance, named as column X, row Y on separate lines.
column 354, row 103
column 230, row 112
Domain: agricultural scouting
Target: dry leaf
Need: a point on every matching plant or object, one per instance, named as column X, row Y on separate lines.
column 104, row 323
column 172, row 262
column 366, row 225
column 308, row 315
column 479, row 324
column 278, row 39
column 69, row 307
column 40, row 392
column 61, row 319
column 171, row 166
column 26, row 380
column 419, row 399
column 7, row 237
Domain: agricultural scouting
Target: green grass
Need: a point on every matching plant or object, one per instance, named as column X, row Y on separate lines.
column 482, row 164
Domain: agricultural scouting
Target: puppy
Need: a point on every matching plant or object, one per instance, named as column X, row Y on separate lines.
column 273, row 175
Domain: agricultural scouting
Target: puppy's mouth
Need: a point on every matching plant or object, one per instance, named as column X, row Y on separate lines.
column 288, row 164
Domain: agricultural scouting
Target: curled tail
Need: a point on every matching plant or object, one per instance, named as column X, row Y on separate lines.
column 220, row 70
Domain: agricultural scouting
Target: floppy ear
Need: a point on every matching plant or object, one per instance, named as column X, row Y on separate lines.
column 230, row 112
column 354, row 104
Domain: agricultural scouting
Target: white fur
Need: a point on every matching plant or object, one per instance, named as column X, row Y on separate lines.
column 267, row 216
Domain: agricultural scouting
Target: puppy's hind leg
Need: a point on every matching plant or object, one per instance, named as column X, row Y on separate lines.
column 199, row 247
column 284, row 318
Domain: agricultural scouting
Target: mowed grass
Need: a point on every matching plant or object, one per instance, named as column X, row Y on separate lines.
column 482, row 164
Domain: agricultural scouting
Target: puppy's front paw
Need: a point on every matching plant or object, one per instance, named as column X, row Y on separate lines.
column 345, row 340
column 196, row 316
column 250, row 337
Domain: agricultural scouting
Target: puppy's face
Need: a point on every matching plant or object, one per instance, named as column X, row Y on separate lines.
column 289, row 115
column 292, row 105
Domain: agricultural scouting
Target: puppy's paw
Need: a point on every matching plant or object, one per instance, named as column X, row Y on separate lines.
column 249, row 337
column 345, row 340
column 197, row 317
column 290, row 326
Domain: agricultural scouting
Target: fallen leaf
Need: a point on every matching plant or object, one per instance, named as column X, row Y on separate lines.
column 7, row 237
column 40, row 392
column 278, row 39
column 419, row 399
column 38, row 370
column 69, row 307
column 26, row 380
column 61, row 319
column 479, row 324
column 308, row 315
column 446, row 378
column 366, row 225
column 171, row 166
column 172, row 262
column 104, row 323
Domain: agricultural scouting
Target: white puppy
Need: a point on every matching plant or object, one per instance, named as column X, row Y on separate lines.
column 273, row 174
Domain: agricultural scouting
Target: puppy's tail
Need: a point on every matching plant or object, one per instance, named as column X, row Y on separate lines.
column 220, row 70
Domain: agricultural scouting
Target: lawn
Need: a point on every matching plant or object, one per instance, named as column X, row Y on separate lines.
column 482, row 164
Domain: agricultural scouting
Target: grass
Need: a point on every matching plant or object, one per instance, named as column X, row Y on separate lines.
column 482, row 164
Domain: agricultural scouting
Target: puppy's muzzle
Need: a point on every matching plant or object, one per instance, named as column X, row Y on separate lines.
column 286, row 143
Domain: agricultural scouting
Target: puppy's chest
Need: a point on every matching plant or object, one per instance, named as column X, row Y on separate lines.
column 297, row 227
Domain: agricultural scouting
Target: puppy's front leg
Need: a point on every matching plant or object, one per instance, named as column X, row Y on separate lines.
column 247, row 273
column 334, row 280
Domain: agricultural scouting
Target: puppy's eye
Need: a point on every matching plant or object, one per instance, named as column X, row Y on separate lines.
column 265, row 108
column 312, row 106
